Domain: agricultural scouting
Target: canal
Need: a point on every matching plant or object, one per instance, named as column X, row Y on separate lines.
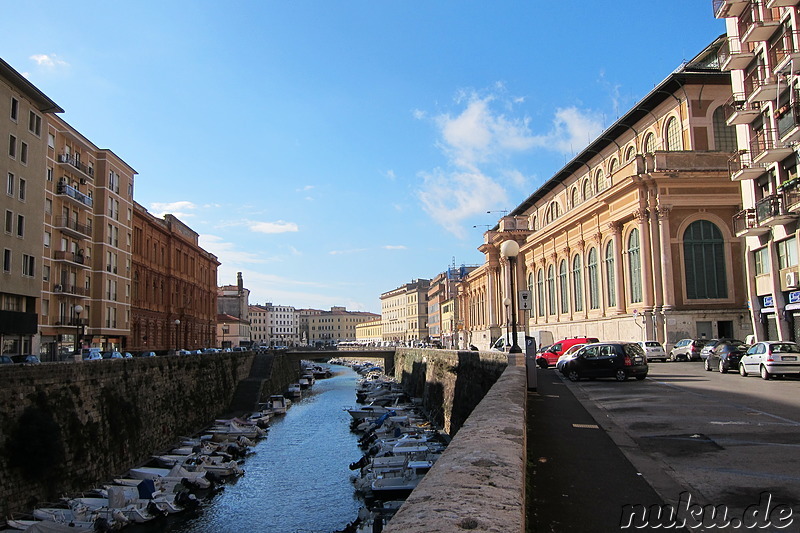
column 298, row 478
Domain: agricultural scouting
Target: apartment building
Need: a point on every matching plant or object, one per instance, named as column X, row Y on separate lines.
column 634, row 237
column 442, row 311
column 274, row 325
column 762, row 53
column 24, row 114
column 327, row 328
column 234, row 301
column 404, row 313
column 368, row 333
column 174, row 286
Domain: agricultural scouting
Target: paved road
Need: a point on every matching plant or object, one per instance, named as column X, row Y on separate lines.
column 721, row 439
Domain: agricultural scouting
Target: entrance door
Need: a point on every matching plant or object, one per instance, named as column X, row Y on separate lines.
column 725, row 329
column 704, row 330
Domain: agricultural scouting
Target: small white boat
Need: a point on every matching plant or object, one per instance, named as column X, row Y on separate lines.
column 294, row 390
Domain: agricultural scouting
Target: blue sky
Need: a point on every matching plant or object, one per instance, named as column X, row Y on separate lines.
column 332, row 151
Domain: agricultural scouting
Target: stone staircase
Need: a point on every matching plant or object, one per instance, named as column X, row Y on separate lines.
column 248, row 392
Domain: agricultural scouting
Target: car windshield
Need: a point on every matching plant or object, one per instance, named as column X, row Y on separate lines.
column 652, row 344
column 785, row 347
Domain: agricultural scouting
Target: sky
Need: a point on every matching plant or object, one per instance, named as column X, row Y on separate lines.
column 332, row 151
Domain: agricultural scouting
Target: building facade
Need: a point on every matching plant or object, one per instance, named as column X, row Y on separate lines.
column 24, row 114
column 328, row 328
column 174, row 286
column 762, row 53
column 404, row 313
column 274, row 325
column 442, row 309
column 368, row 333
column 633, row 238
column 233, row 300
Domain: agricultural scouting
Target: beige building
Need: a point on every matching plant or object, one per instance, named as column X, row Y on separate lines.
column 24, row 114
column 762, row 52
column 368, row 333
column 233, row 300
column 274, row 325
column 331, row 327
column 404, row 313
column 442, row 309
column 633, row 238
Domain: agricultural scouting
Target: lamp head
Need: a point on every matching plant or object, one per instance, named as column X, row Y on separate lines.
column 78, row 309
column 177, row 322
column 509, row 248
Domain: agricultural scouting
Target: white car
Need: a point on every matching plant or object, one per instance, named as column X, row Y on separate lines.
column 568, row 355
column 653, row 350
column 771, row 358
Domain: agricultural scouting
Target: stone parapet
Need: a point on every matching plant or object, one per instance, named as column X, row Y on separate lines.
column 479, row 482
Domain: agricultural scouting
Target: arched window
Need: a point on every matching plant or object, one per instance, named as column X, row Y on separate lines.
column 611, row 289
column 574, row 198
column 540, row 292
column 530, row 282
column 613, row 166
column 563, row 286
column 586, row 189
column 599, row 181
column 724, row 135
column 553, row 212
column 577, row 283
column 630, row 153
column 551, row 291
column 594, row 279
column 635, row 266
column 704, row 261
column 535, row 223
column 650, row 143
column 674, row 135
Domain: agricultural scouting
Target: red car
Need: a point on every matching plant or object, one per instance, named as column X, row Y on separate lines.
column 550, row 356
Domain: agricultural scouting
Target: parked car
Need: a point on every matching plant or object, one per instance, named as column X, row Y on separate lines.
column 550, row 356
column 113, row 354
column 147, row 354
column 6, row 360
column 569, row 354
column 183, row 352
column 26, row 359
column 771, row 358
column 687, row 349
column 617, row 359
column 653, row 351
column 127, row 355
column 725, row 356
column 91, row 354
column 711, row 344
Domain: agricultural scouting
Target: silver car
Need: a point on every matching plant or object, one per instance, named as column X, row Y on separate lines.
column 771, row 358
column 653, row 350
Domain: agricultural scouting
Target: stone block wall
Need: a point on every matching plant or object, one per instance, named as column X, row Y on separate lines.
column 65, row 427
column 451, row 383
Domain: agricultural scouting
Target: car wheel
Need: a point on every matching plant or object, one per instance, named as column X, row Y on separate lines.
column 722, row 368
column 765, row 373
column 707, row 365
column 742, row 371
column 640, row 378
column 621, row 375
column 573, row 375
column 542, row 362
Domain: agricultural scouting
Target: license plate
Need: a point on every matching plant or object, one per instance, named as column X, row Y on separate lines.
column 788, row 358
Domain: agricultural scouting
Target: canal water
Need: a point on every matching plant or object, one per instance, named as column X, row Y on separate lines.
column 298, row 478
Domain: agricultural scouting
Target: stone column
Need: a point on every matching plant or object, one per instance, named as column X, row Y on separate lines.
column 492, row 298
column 619, row 266
column 597, row 239
column 667, row 285
column 656, row 255
column 642, row 216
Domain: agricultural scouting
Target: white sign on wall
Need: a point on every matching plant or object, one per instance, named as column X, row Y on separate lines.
column 525, row 300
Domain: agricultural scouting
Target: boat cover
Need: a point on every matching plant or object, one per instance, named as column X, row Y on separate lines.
column 48, row 526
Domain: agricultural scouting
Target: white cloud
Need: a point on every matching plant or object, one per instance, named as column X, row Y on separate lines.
column 49, row 60
column 573, row 130
column 279, row 226
column 180, row 209
column 226, row 252
column 346, row 252
column 395, row 247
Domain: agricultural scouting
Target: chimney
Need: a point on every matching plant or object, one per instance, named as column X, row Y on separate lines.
column 240, row 282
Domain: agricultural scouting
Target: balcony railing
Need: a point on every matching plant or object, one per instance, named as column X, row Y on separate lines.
column 69, row 289
column 771, row 211
column 70, row 321
column 757, row 22
column 738, row 110
column 784, row 53
column 745, row 222
column 74, row 162
column 61, row 255
column 68, row 223
column 728, row 8
column 73, row 193
column 760, row 85
column 733, row 56
column 742, row 167
column 765, row 147
column 791, row 194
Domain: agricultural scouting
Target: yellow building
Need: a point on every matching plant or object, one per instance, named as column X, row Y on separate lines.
column 633, row 239
column 369, row 333
column 404, row 313
column 331, row 327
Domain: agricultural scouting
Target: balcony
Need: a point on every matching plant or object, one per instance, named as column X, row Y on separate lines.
column 70, row 321
column 772, row 4
column 791, row 194
column 74, row 163
column 61, row 288
column 789, row 123
column 771, row 211
column 72, row 227
column 728, row 8
column 745, row 224
column 741, row 167
column 733, row 56
column 758, row 23
column 784, row 53
column 71, row 192
column 760, row 85
column 739, row 111
column 70, row 257
column 765, row 147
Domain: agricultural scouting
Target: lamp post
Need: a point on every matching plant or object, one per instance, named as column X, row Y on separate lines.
column 78, row 310
column 507, row 304
column 510, row 249
column 177, row 323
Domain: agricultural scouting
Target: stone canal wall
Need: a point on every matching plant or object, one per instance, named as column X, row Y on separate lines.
column 451, row 383
column 66, row 426
column 479, row 482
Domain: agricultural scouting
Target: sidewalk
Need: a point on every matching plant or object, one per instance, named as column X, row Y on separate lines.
column 578, row 479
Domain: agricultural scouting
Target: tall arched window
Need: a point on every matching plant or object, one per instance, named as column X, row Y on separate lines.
column 635, row 266
column 649, row 143
column 674, row 135
column 587, row 189
column 704, row 261
column 530, row 283
column 613, row 166
column 551, row 290
column 577, row 283
column 599, row 181
column 563, row 286
column 724, row 135
column 594, row 279
column 574, row 198
column 630, row 153
column 540, row 292
column 611, row 289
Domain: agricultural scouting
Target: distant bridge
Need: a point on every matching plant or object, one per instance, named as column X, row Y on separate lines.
column 385, row 355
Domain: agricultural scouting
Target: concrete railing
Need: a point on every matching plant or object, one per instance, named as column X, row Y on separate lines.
column 479, row 482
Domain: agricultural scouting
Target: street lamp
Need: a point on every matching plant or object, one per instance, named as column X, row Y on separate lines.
column 78, row 310
column 177, row 323
column 510, row 249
